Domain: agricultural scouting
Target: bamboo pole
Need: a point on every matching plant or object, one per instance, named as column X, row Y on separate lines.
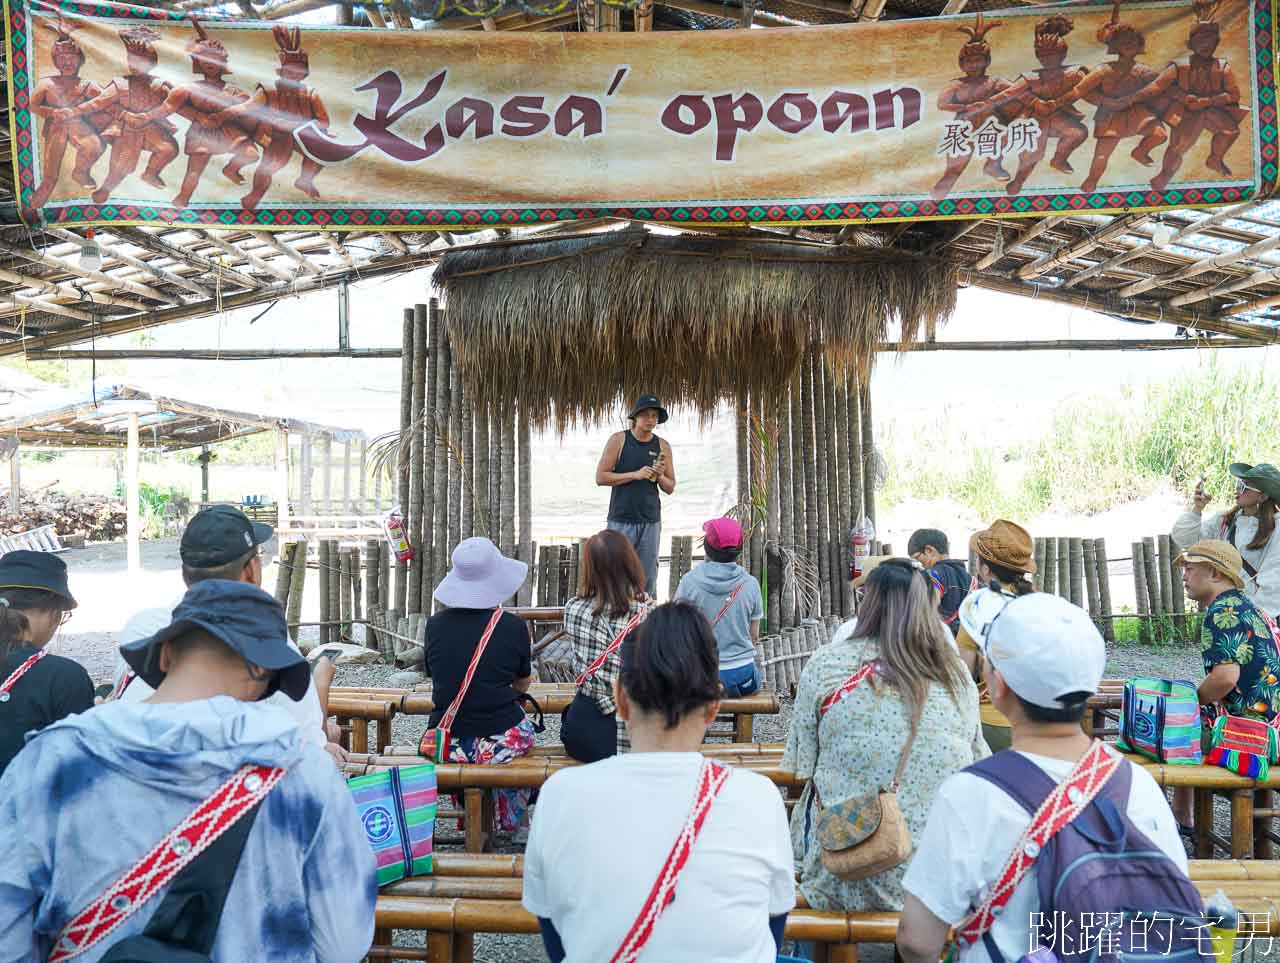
column 418, row 532
column 434, row 334
column 857, row 478
column 1178, row 599
column 1064, row 568
column 326, row 476
column 1050, row 579
column 1149, row 561
column 348, row 507
column 402, row 460
column 1090, row 561
column 758, row 521
column 868, row 453
column 810, row 475
column 840, row 405
column 1104, row 589
column 821, row 458
column 1038, row 553
column 455, row 452
column 467, row 526
column 322, row 563
column 480, row 470
column 1168, row 574
column 304, row 473
column 507, row 479
column 1075, row 556
column 524, row 449
column 284, row 574
column 743, row 436
column 1142, row 601
column 373, row 604
column 835, row 495
column 786, row 514
column 440, row 476
column 335, row 591
column 363, row 508
column 345, row 593
column 799, row 528
column 299, row 577
column 773, row 512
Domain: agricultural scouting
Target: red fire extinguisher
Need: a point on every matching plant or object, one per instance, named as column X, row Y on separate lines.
column 393, row 526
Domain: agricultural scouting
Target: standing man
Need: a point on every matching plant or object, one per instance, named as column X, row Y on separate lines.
column 637, row 463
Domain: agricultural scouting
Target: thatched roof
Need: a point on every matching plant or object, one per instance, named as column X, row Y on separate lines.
column 567, row 327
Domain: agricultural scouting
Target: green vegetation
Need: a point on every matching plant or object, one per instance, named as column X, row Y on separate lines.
column 1164, row 630
column 1103, row 451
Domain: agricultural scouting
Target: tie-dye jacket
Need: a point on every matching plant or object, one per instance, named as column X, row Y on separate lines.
column 89, row 795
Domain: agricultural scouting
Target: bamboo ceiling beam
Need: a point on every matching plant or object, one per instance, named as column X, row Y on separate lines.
column 338, row 248
column 1070, row 251
column 293, row 7
column 64, row 290
column 1028, row 234
column 158, row 245
column 1226, row 287
column 1259, row 305
column 1200, row 267
column 257, row 263
column 20, row 301
column 1145, row 247
column 157, row 272
column 74, row 269
column 277, row 245
column 965, row 229
column 1106, row 304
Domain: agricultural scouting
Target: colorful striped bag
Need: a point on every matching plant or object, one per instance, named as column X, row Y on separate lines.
column 397, row 808
column 1160, row 719
column 1244, row 746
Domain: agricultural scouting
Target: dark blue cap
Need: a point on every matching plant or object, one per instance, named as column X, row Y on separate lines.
column 23, row 569
column 241, row 616
column 645, row 402
column 219, row 535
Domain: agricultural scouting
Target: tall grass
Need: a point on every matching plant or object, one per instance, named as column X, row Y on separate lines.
column 1103, row 451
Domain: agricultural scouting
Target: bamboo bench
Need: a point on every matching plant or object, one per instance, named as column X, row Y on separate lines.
column 552, row 697
column 468, row 894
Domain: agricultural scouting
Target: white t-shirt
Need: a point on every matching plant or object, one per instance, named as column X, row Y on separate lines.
column 306, row 712
column 602, row 832
column 971, row 832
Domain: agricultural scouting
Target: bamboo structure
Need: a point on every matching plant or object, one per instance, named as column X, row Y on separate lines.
column 440, row 481
column 284, row 575
column 427, row 415
column 345, row 593
column 454, row 504
column 868, row 455
column 467, row 525
column 1142, row 599
column 773, row 532
column 334, row 575
column 836, row 495
column 1049, row 577
column 797, row 494
column 402, row 462
column 480, row 471
column 1104, row 589
column 844, row 559
column 1075, row 555
column 817, row 394
column 787, row 531
column 507, row 481
column 809, row 453
column 1064, row 568
column 1151, row 564
column 374, row 605
column 298, row 573
column 1090, row 562
column 322, row 562
column 525, row 458
column 1039, row 555
column 416, row 504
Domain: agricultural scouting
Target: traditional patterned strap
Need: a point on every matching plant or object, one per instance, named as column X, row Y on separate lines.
column 446, row 720
column 1071, row 797
column 710, row 780
column 845, row 688
column 595, row 666
column 727, row 602
column 18, row 673
column 123, row 684
column 232, row 800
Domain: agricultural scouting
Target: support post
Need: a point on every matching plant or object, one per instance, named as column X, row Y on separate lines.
column 15, row 480
column 205, row 456
column 282, row 484
column 133, row 524
column 326, row 453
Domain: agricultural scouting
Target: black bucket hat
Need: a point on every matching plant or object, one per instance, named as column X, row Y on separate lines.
column 649, row 401
column 219, row 535
column 1264, row 478
column 24, row 569
column 244, row 618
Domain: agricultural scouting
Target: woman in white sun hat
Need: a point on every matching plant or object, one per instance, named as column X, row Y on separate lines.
column 489, row 724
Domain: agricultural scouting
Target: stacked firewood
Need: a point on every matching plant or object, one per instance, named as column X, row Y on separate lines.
column 96, row 517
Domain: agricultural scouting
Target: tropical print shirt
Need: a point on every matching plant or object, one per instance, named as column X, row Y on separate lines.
column 1236, row 632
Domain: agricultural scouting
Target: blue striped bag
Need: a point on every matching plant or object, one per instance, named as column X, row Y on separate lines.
column 1160, row 719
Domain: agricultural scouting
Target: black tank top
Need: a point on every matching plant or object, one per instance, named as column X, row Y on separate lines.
column 636, row 502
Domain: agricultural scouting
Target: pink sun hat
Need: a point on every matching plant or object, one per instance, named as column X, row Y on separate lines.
column 723, row 533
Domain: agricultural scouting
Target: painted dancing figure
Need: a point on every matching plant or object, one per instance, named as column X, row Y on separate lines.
column 200, row 102
column 965, row 96
column 1109, row 88
column 1035, row 94
column 63, row 92
column 135, row 93
column 278, row 114
column 1206, row 97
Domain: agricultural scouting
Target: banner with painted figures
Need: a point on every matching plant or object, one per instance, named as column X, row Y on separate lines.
column 123, row 114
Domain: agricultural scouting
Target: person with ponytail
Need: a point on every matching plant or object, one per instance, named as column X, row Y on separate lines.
column 890, row 690
column 603, row 834
column 1249, row 527
column 1006, row 562
column 36, row 689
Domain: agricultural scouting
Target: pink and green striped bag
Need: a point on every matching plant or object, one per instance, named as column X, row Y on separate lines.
column 397, row 809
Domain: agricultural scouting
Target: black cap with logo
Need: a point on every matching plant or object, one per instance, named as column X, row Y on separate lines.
column 219, row 535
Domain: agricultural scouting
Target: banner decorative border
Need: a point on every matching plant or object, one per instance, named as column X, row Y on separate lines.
column 349, row 218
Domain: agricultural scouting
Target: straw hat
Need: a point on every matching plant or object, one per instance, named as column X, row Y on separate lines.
column 1006, row 544
column 1219, row 555
column 481, row 577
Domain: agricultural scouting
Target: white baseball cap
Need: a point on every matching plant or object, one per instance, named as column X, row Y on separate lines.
column 1045, row 648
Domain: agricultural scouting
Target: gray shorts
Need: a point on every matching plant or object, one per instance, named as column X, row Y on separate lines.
column 644, row 538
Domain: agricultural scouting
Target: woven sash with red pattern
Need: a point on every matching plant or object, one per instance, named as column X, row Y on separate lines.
column 1064, row 804
column 727, row 602
column 710, row 780
column 122, row 685
column 233, row 799
column 18, row 673
column 594, row 667
column 845, row 688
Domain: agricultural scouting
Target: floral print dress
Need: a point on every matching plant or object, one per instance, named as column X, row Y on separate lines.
column 1237, row 632
column 853, row 750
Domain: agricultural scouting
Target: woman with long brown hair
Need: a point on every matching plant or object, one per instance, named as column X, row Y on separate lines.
column 611, row 601
column 889, row 696
column 1249, row 526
